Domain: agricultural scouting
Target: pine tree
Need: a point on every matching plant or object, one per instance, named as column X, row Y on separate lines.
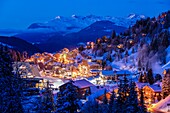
column 167, row 20
column 132, row 100
column 104, row 105
column 142, row 107
column 126, row 56
column 109, row 57
column 47, row 105
column 91, row 106
column 123, row 91
column 112, row 103
column 158, row 77
column 113, row 34
column 144, row 78
column 10, row 88
column 126, row 53
column 125, row 88
column 139, row 64
column 166, row 83
column 133, row 50
column 105, row 101
column 67, row 100
column 150, row 77
column 120, row 101
column 140, row 78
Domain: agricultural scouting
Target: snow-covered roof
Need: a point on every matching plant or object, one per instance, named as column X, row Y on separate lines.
column 122, row 72
column 141, row 85
column 158, row 83
column 156, row 88
column 162, row 105
column 98, row 58
column 94, row 71
column 57, row 83
column 107, row 72
column 83, row 83
column 95, row 89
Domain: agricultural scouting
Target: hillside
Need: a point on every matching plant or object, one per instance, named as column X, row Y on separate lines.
column 144, row 45
column 19, row 44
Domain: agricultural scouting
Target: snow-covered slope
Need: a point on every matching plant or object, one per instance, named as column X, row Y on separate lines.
column 76, row 23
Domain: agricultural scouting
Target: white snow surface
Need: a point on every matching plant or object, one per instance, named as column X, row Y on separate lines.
column 97, row 92
column 83, row 83
column 162, row 105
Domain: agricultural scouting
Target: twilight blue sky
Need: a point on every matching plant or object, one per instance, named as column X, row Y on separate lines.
column 19, row 14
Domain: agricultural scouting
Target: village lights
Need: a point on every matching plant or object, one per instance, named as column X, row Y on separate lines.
column 164, row 72
column 120, row 46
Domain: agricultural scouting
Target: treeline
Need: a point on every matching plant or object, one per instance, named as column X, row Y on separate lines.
column 10, row 84
column 124, row 101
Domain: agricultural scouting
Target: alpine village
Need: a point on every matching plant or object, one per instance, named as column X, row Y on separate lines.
column 113, row 74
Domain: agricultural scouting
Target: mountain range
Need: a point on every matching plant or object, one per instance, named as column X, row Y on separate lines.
column 63, row 32
column 76, row 23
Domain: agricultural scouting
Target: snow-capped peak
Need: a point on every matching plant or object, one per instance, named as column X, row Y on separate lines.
column 74, row 16
column 142, row 16
column 76, row 23
column 58, row 17
column 133, row 16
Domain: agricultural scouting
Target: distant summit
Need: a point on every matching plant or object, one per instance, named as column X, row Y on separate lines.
column 75, row 23
column 135, row 16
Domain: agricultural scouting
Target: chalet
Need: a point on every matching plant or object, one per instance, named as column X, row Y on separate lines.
column 33, row 82
column 152, row 93
column 83, row 87
column 139, row 86
column 32, row 86
column 94, row 72
column 94, row 66
column 113, row 75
